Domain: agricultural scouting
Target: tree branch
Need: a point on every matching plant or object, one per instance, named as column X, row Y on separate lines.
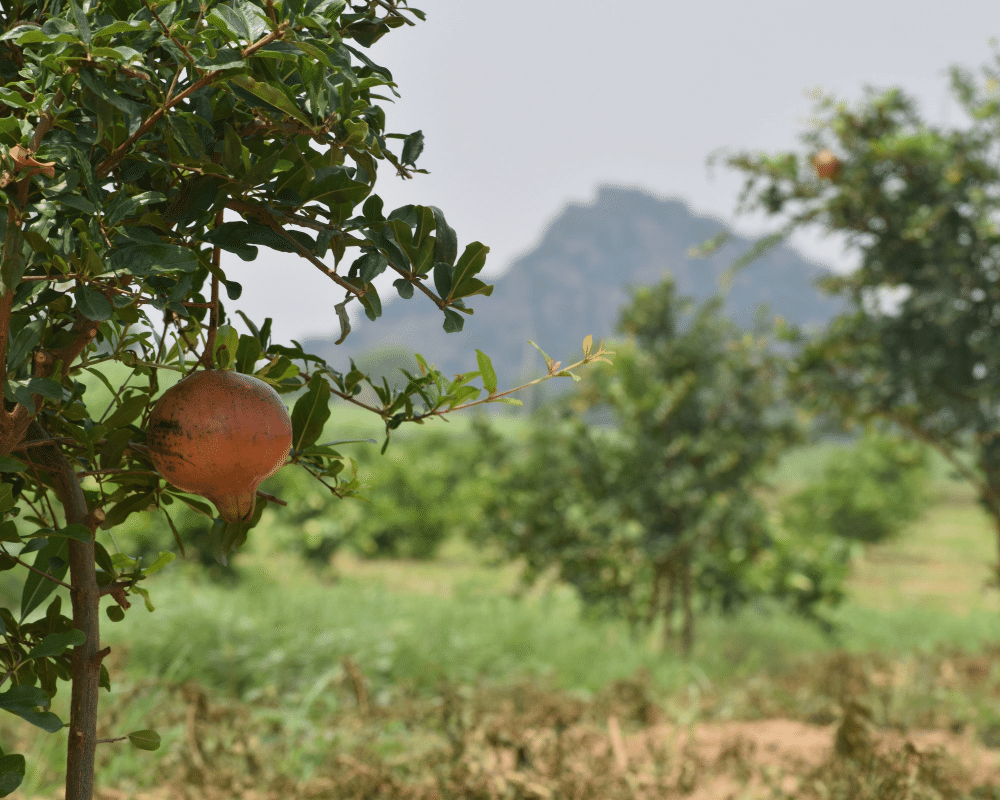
column 125, row 147
column 34, row 569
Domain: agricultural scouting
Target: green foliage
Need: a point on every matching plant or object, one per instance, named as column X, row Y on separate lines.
column 555, row 503
column 424, row 492
column 919, row 205
column 138, row 142
column 663, row 502
column 867, row 493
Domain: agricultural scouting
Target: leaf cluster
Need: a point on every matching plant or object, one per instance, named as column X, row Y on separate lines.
column 918, row 204
column 693, row 412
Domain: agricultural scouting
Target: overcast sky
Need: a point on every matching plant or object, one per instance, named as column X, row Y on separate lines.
column 526, row 107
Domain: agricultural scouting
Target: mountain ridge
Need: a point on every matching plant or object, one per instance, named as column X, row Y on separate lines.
column 575, row 280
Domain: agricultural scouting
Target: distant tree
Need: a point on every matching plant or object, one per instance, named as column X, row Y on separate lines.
column 866, row 493
column 919, row 204
column 659, row 507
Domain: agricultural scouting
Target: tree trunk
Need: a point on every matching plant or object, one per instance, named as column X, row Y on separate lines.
column 85, row 597
column 668, row 611
column 654, row 596
column 687, row 634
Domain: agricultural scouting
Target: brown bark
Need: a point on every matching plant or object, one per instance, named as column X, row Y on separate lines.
column 85, row 597
column 654, row 595
column 687, row 633
column 668, row 611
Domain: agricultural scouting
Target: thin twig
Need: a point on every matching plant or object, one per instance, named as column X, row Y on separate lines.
column 395, row 12
column 116, row 472
column 44, row 123
column 33, row 569
column 272, row 499
column 125, row 147
column 170, row 36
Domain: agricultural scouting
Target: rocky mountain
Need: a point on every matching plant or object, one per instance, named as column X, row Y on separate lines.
column 574, row 283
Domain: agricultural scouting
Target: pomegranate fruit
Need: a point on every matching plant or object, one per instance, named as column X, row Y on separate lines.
column 219, row 434
column 826, row 164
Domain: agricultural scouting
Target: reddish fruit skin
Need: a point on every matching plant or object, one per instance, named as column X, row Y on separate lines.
column 219, row 434
column 827, row 164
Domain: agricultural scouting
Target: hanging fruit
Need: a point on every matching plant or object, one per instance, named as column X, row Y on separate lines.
column 219, row 434
column 826, row 164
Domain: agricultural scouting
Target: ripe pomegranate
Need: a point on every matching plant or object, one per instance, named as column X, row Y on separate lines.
column 827, row 164
column 219, row 434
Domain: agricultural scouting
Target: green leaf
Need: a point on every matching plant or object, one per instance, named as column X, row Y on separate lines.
column 103, row 558
column 52, row 559
column 195, row 197
column 12, row 99
column 472, row 261
column 145, row 740
column 152, row 258
column 272, row 96
column 56, row 643
column 115, row 613
column 226, row 19
column 8, row 533
column 6, row 497
column 548, row 361
column 511, row 401
column 453, row 321
column 96, row 84
column 404, row 287
column 25, row 340
column 232, row 154
column 311, row 412
column 413, row 146
column 8, row 464
column 371, row 302
column 82, row 25
column 443, row 278
column 231, row 236
column 370, row 266
column 471, row 286
column 247, row 354
column 128, row 411
column 175, row 532
column 129, row 505
column 159, row 563
column 487, row 371
column 24, row 701
column 75, row 530
column 11, row 773
column 45, row 387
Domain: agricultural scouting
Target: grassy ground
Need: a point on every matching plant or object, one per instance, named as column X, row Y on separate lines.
column 423, row 679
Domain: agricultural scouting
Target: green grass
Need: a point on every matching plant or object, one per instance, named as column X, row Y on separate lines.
column 274, row 645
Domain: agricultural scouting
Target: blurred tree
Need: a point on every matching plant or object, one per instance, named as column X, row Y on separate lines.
column 642, row 517
column 918, row 203
column 866, row 493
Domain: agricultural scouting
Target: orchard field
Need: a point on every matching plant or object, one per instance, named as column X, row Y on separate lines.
column 442, row 677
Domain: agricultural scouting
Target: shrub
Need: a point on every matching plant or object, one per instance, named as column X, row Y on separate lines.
column 867, row 493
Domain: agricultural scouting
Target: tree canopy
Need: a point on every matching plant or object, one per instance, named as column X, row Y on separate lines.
column 918, row 203
column 140, row 139
column 659, row 509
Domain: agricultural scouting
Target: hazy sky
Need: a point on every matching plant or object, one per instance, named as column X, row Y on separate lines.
column 526, row 107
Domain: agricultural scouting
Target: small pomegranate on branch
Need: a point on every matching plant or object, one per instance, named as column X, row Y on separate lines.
column 219, row 434
column 827, row 165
